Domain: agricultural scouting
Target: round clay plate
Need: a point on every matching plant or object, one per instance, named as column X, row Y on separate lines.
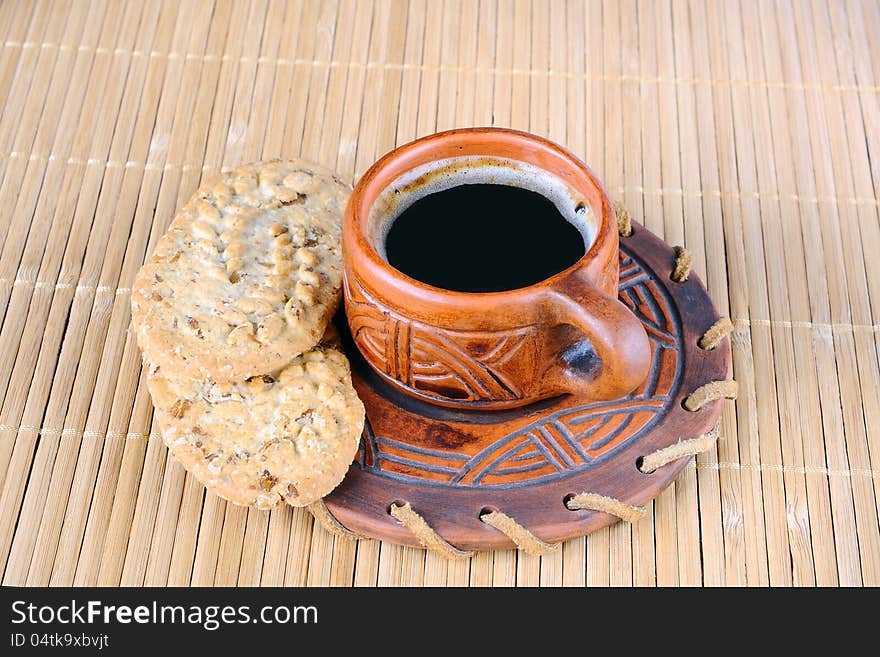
column 453, row 465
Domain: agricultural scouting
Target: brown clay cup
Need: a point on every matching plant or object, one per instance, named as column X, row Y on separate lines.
column 568, row 334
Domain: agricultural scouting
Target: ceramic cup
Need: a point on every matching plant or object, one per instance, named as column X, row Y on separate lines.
column 490, row 350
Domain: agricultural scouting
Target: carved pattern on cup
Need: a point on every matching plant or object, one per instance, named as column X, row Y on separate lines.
column 464, row 366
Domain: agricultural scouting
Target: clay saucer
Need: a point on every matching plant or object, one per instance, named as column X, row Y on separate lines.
column 453, row 466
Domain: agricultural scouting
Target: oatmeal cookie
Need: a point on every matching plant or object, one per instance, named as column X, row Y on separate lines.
column 287, row 436
column 247, row 276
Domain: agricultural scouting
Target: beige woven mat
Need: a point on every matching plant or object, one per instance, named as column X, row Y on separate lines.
column 748, row 131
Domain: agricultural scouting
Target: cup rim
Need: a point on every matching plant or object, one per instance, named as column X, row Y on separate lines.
column 363, row 197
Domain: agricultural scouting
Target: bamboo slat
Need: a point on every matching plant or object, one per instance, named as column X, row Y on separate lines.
column 748, row 131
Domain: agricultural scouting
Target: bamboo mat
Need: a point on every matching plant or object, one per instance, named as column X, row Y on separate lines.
column 748, row 131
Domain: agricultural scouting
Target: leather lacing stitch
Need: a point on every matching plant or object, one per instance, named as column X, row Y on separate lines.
column 716, row 333
column 404, row 514
column 328, row 521
column 624, row 221
column 683, row 263
column 710, row 392
column 524, row 539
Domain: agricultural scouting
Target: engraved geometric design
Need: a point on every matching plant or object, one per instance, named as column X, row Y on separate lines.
column 557, row 444
column 458, row 365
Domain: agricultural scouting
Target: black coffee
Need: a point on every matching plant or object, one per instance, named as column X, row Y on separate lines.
column 482, row 238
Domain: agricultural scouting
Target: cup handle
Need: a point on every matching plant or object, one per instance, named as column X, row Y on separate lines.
column 617, row 336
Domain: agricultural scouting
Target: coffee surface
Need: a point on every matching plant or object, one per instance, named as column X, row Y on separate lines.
column 482, row 238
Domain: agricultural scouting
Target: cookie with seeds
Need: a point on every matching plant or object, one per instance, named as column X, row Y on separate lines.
column 287, row 436
column 247, row 275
